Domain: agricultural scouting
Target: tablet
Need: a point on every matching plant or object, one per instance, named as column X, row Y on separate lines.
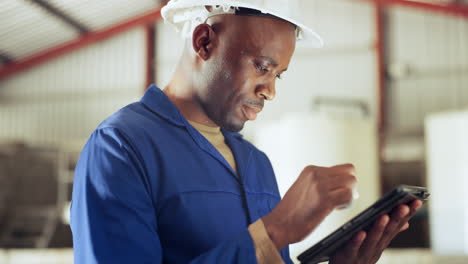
column 403, row 194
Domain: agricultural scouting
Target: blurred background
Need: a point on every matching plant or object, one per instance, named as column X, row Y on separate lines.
column 388, row 92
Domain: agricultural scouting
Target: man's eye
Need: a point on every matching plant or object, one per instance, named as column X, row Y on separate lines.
column 261, row 68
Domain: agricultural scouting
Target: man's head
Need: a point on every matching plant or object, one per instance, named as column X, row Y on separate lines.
column 236, row 61
column 237, row 50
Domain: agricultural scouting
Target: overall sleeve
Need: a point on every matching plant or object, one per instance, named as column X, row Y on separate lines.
column 113, row 217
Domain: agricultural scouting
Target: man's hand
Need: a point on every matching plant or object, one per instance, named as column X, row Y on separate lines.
column 367, row 248
column 314, row 195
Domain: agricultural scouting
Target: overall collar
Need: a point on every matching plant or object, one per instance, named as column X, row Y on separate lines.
column 157, row 102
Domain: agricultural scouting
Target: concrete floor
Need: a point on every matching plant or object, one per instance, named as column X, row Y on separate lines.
column 65, row 256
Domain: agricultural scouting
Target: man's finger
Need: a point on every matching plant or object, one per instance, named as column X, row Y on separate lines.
column 415, row 206
column 374, row 236
column 349, row 253
column 398, row 221
column 403, row 228
column 355, row 244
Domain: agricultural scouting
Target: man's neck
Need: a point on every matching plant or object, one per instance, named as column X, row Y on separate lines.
column 181, row 93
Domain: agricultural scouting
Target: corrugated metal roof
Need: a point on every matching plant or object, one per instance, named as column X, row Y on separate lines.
column 103, row 13
column 27, row 27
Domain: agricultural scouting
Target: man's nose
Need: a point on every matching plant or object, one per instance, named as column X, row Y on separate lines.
column 266, row 91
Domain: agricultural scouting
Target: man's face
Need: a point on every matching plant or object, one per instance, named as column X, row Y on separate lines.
column 250, row 54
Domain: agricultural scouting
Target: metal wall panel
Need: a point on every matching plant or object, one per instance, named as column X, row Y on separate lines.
column 341, row 22
column 428, row 67
column 344, row 69
column 64, row 100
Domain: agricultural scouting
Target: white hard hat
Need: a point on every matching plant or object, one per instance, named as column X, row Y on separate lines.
column 185, row 15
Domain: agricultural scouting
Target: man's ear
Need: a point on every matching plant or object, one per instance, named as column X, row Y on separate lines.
column 203, row 41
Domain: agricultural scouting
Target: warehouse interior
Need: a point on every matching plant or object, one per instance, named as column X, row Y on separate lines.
column 388, row 92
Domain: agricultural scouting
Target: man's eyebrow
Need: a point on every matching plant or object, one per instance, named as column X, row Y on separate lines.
column 270, row 60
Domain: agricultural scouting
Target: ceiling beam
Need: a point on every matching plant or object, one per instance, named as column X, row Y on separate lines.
column 53, row 10
column 78, row 43
column 455, row 9
column 150, row 34
column 380, row 32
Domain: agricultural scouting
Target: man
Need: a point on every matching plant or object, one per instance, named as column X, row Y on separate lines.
column 169, row 180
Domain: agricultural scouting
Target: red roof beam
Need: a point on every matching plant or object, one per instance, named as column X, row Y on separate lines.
column 150, row 31
column 78, row 43
column 449, row 8
column 379, row 19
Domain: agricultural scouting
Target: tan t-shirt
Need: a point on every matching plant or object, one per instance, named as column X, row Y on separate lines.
column 216, row 138
column 265, row 250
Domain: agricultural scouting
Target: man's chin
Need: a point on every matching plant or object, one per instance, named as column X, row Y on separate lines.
column 233, row 127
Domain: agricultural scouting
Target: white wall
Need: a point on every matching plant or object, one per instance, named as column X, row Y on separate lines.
column 65, row 99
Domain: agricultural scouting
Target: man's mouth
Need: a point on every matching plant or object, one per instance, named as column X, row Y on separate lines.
column 251, row 112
